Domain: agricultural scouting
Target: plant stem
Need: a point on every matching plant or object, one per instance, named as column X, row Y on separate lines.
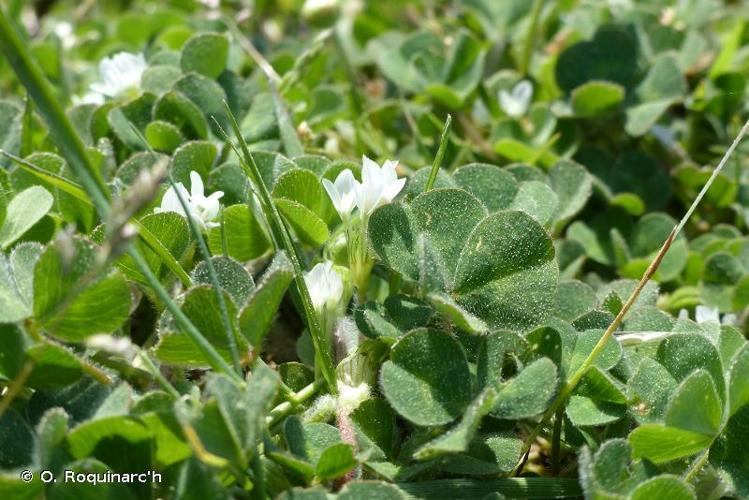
column 228, row 326
column 16, row 386
column 73, row 149
column 212, row 356
column 285, row 408
column 283, row 238
column 71, row 145
column 157, row 375
column 556, row 441
column 696, row 465
column 440, row 153
column 530, row 37
column 575, row 378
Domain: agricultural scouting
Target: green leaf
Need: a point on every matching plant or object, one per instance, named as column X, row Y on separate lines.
column 15, row 436
column 208, row 96
column 376, row 430
column 201, row 307
column 486, row 455
column 661, row 87
column 738, row 388
column 459, row 437
column 232, row 277
column 494, row 187
column 174, row 107
column 573, row 186
column 245, row 237
column 528, row 393
column 163, row 136
column 584, row 411
column 308, row 440
column 427, row 380
column 729, row 455
column 205, row 53
column 335, row 461
column 683, row 354
column 611, row 56
column 102, row 305
column 584, row 344
column 536, row 199
column 659, row 443
column 308, row 226
column 506, row 274
column 171, row 233
column 24, row 210
column 258, row 314
column 650, row 388
column 596, row 99
column 195, row 155
column 695, row 405
column 371, row 490
column 663, row 486
column 54, row 366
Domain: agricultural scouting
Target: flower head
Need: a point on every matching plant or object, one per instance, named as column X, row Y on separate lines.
column 325, row 286
column 379, row 186
column 516, row 102
column 342, row 193
column 119, row 73
column 203, row 209
column 705, row 314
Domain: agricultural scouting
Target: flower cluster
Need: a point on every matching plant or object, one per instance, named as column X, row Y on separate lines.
column 203, row 209
column 379, row 186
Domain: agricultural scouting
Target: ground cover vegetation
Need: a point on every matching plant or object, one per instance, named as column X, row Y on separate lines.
column 359, row 249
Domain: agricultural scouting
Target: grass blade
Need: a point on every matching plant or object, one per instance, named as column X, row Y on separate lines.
column 437, row 163
column 74, row 151
column 60, row 127
column 78, row 193
column 283, row 239
column 577, row 376
column 520, row 487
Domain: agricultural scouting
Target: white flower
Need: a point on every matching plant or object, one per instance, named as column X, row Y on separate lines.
column 379, row 185
column 351, row 396
column 211, row 4
column 119, row 346
column 342, row 193
column 64, row 31
column 516, row 103
column 705, row 314
column 312, row 8
column 203, row 210
column 119, row 73
column 325, row 286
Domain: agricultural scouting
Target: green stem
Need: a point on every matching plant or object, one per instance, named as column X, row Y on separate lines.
column 530, row 37
column 71, row 145
column 572, row 382
column 556, row 441
column 79, row 193
column 16, row 386
column 285, row 408
column 207, row 350
column 440, row 154
column 228, row 327
column 283, row 237
column 73, row 149
column 157, row 375
column 696, row 465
